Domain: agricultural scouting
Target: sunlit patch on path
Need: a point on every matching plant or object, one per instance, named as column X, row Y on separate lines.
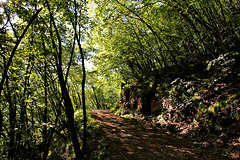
column 127, row 139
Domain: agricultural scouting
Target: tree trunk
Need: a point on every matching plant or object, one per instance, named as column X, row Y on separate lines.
column 84, row 75
column 95, row 96
column 45, row 136
column 12, row 119
column 67, row 100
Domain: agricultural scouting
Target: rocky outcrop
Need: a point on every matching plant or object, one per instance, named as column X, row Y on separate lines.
column 144, row 101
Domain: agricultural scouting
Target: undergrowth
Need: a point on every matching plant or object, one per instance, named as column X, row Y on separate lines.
column 62, row 148
column 206, row 106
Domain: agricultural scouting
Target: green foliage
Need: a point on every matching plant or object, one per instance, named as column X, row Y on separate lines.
column 34, row 122
column 103, row 88
column 224, row 63
column 178, row 35
column 146, row 44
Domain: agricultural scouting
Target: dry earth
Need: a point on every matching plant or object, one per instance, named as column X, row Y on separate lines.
column 132, row 140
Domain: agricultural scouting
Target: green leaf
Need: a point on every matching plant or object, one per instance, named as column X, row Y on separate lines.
column 27, row 101
column 14, row 68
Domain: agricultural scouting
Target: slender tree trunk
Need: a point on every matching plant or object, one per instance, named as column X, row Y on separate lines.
column 45, row 133
column 79, row 98
column 67, row 100
column 45, row 148
column 12, row 119
column 84, row 76
column 23, row 113
column 83, row 99
column 97, row 102
column 70, row 114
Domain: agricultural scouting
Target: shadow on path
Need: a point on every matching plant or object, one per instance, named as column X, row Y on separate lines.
column 130, row 140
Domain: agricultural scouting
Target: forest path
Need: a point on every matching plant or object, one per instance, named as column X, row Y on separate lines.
column 132, row 140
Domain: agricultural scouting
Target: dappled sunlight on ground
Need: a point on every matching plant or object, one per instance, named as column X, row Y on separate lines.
column 129, row 139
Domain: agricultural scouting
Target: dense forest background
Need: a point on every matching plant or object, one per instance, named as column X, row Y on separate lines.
column 177, row 60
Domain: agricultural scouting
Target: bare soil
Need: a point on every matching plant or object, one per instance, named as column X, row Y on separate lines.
column 132, row 140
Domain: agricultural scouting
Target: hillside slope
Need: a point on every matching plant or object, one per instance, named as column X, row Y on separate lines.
column 204, row 104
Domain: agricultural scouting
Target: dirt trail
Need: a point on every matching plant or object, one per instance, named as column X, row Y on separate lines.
column 130, row 140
